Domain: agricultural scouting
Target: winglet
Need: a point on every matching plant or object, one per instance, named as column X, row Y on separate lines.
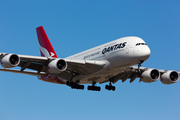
column 45, row 46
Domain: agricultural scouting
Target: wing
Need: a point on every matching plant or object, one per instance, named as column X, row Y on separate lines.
column 48, row 65
column 147, row 75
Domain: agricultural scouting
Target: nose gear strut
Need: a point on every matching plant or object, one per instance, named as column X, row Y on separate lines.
column 110, row 87
column 139, row 65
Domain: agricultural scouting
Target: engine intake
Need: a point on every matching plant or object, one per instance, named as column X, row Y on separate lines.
column 10, row 60
column 169, row 77
column 57, row 66
column 150, row 75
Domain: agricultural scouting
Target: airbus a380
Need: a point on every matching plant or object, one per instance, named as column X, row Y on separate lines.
column 106, row 63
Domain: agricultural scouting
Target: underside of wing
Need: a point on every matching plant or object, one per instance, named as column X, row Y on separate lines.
column 125, row 74
column 146, row 75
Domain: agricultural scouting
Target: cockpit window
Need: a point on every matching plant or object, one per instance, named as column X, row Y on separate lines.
column 140, row 44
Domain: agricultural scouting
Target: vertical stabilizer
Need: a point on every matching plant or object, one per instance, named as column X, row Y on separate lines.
column 45, row 46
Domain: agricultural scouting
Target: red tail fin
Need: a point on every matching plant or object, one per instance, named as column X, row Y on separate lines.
column 45, row 46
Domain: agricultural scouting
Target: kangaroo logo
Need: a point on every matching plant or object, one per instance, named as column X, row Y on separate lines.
column 45, row 52
column 52, row 54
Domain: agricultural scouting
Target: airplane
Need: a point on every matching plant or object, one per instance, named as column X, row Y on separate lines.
column 120, row 59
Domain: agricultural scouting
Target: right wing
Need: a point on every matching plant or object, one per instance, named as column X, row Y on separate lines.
column 48, row 65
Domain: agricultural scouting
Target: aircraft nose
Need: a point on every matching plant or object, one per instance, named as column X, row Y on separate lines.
column 145, row 53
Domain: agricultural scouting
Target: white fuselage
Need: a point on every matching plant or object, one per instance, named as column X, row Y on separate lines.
column 120, row 54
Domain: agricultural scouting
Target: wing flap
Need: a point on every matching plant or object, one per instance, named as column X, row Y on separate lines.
column 23, row 72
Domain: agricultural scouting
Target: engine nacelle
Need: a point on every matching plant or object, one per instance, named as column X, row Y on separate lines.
column 57, row 66
column 150, row 75
column 169, row 77
column 10, row 60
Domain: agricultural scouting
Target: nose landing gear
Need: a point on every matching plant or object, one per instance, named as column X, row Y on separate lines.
column 139, row 65
column 110, row 87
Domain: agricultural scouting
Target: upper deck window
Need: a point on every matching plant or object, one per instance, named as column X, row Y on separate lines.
column 140, row 44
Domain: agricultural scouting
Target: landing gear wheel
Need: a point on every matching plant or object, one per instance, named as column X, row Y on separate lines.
column 107, row 87
column 94, row 88
column 75, row 85
column 113, row 88
column 67, row 83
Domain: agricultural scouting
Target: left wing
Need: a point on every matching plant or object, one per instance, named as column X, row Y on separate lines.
column 147, row 75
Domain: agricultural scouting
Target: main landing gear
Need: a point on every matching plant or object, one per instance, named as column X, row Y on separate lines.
column 110, row 87
column 81, row 87
column 94, row 88
column 75, row 85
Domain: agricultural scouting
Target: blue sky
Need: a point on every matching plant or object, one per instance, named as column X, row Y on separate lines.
column 74, row 26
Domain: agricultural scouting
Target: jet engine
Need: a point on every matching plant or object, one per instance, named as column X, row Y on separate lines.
column 150, row 75
column 57, row 66
column 169, row 77
column 10, row 60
